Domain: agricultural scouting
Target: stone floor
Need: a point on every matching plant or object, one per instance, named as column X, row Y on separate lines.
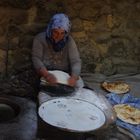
column 93, row 81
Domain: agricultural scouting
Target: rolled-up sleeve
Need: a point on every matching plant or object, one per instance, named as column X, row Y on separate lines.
column 74, row 58
column 37, row 54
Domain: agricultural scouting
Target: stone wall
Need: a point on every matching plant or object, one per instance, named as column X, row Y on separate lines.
column 107, row 33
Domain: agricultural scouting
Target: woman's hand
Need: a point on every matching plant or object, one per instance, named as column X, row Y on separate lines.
column 50, row 78
column 72, row 80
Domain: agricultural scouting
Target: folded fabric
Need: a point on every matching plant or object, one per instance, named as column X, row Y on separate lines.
column 126, row 99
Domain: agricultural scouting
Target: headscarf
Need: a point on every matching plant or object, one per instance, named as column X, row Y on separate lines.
column 62, row 21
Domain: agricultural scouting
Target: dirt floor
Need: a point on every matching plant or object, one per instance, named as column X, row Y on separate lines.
column 112, row 132
column 30, row 125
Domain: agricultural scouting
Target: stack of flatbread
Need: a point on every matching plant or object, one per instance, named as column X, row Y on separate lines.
column 118, row 87
column 127, row 113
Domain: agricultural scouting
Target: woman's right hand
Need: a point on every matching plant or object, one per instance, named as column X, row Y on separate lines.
column 51, row 79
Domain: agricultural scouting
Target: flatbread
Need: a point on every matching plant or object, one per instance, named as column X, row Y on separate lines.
column 127, row 113
column 62, row 77
column 116, row 87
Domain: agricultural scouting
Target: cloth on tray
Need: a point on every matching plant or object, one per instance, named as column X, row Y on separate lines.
column 130, row 100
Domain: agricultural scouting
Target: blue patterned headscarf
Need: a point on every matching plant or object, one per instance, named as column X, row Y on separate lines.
column 58, row 21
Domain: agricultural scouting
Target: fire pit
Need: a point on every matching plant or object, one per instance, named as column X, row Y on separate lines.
column 17, row 117
column 8, row 110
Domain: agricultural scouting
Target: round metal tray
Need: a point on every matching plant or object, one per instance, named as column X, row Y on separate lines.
column 73, row 115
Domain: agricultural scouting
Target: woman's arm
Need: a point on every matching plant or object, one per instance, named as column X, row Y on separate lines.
column 74, row 57
column 37, row 58
column 75, row 62
column 37, row 54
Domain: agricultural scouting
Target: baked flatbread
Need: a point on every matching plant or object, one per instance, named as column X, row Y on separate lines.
column 127, row 113
column 116, row 87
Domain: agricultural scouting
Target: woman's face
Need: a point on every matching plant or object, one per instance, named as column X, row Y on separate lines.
column 58, row 34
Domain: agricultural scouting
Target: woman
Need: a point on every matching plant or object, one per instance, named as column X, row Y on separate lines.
column 55, row 49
